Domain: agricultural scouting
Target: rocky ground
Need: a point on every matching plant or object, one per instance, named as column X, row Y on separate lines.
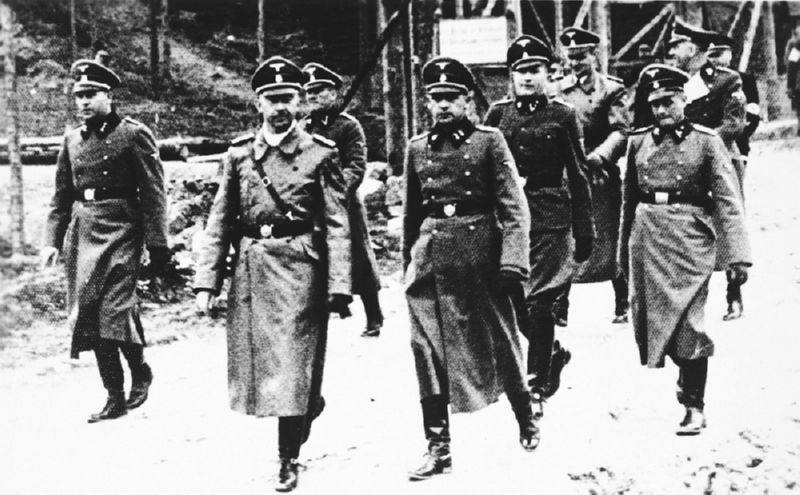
column 609, row 430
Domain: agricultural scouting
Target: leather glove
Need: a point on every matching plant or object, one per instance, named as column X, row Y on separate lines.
column 159, row 258
column 509, row 282
column 338, row 303
column 583, row 248
column 738, row 273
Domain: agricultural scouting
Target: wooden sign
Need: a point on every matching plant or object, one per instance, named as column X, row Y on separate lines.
column 474, row 41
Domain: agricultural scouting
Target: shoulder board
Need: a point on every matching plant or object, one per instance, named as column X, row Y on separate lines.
column 642, row 130
column 614, row 78
column 419, row 136
column 485, row 128
column 704, row 129
column 562, row 102
column 243, row 139
column 504, row 101
column 132, row 121
column 323, row 141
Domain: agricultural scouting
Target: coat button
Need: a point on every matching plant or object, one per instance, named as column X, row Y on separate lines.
column 467, row 173
column 434, row 231
column 467, row 141
column 471, row 227
column 466, row 156
column 430, row 162
column 679, row 177
column 105, row 172
column 469, row 193
column 430, row 179
column 105, row 157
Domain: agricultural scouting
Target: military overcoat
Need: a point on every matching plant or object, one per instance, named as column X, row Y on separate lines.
column 347, row 133
column 669, row 249
column 277, row 315
column 463, row 329
column 544, row 139
column 102, row 240
column 597, row 100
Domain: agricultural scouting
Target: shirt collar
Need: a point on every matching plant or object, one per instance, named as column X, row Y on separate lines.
column 286, row 141
column 678, row 133
column 102, row 126
column 526, row 105
column 456, row 133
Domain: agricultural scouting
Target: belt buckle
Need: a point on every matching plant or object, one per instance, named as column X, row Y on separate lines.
column 662, row 198
column 265, row 231
column 449, row 209
column 88, row 194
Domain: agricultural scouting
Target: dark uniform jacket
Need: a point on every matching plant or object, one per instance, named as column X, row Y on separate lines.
column 752, row 111
column 277, row 315
column 347, row 133
column 716, row 100
column 680, row 213
column 464, row 220
column 109, row 202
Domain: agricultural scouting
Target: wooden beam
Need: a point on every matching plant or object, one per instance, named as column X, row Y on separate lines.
column 666, row 11
column 770, row 57
column 539, row 22
column 662, row 36
column 747, row 46
column 600, row 20
column 558, row 6
column 737, row 17
column 582, row 13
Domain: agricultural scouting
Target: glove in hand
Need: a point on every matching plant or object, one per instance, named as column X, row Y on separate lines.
column 339, row 303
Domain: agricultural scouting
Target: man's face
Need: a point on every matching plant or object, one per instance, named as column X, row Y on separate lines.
column 320, row 97
column 447, row 108
column 582, row 63
column 278, row 109
column 530, row 79
column 680, row 54
column 720, row 58
column 668, row 110
column 92, row 103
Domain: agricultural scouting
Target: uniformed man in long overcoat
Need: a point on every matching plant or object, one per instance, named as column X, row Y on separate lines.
column 325, row 118
column 544, row 137
column 598, row 99
column 720, row 53
column 281, row 197
column 109, row 203
column 465, row 245
column 681, row 211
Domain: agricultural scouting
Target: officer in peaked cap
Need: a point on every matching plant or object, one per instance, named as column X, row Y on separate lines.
column 281, row 199
column 544, row 137
column 460, row 268
column 327, row 119
column 109, row 203
column 720, row 54
column 678, row 183
column 715, row 99
column 599, row 100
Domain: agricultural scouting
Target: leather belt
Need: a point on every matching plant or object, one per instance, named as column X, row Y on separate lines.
column 456, row 209
column 277, row 230
column 671, row 198
column 101, row 193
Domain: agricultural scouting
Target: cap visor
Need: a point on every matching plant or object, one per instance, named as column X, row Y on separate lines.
column 530, row 61
column 279, row 89
column 442, row 88
column 657, row 94
column 90, row 86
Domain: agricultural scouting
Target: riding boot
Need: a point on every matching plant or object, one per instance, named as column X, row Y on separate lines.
column 734, row 298
column 110, row 368
column 141, row 374
column 372, row 309
column 435, row 421
column 540, row 347
column 692, row 379
column 528, row 428
column 561, row 307
column 621, row 304
column 290, row 433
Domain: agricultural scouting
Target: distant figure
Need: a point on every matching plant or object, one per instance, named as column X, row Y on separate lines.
column 282, row 197
column 679, row 183
column 322, row 93
column 110, row 202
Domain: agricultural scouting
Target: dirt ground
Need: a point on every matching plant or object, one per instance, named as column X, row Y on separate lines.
column 609, row 430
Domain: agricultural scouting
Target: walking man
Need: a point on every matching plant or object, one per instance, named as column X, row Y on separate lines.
column 681, row 211
column 465, row 245
column 322, row 87
column 109, row 203
column 281, row 197
column 544, row 137
column 597, row 99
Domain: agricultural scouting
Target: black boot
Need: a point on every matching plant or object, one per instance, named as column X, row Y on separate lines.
column 693, row 422
column 311, row 415
column 114, row 408
column 435, row 420
column 528, row 428
column 140, row 387
column 621, row 304
column 734, row 298
column 372, row 309
column 287, row 476
column 561, row 357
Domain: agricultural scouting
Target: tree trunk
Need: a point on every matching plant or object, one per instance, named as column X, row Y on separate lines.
column 600, row 24
column 770, row 57
column 16, row 208
column 261, row 33
column 393, row 103
column 166, row 68
column 155, row 77
column 366, row 38
column 73, row 30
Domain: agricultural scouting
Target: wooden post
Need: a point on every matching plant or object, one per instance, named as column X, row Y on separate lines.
column 558, row 5
column 393, row 103
column 666, row 11
column 582, row 13
column 736, row 18
column 365, row 39
column 166, row 68
column 599, row 21
column 459, row 9
column 749, row 37
column 516, row 7
column 73, row 30
column 542, row 27
column 261, row 31
column 16, row 207
column 408, row 74
column 425, row 35
column 770, row 57
column 155, row 64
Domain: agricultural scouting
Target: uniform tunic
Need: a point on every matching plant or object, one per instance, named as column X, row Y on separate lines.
column 596, row 99
column 670, row 249
column 463, row 330
column 545, row 142
column 277, row 316
column 102, row 241
column 347, row 133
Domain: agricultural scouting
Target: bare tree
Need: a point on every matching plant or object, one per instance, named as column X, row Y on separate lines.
column 8, row 29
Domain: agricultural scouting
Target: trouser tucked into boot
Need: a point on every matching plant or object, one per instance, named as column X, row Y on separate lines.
column 436, row 423
column 523, row 412
column 290, row 436
column 692, row 377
